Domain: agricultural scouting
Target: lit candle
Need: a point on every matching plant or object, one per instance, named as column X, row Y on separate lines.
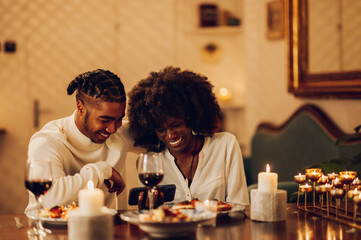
column 91, row 200
column 326, row 188
column 306, row 188
column 332, row 176
column 299, row 178
column 357, row 199
column 353, row 193
column 322, row 180
column 267, row 181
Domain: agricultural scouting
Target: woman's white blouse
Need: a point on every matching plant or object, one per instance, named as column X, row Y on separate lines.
column 219, row 174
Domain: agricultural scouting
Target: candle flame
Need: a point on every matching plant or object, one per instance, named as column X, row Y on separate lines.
column 90, row 185
column 359, row 195
column 355, row 191
column 268, row 169
column 299, row 174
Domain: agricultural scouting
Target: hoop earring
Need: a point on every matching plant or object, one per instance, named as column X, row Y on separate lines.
column 194, row 133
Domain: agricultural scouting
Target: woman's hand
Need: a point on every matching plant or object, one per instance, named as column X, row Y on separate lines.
column 143, row 200
column 118, row 183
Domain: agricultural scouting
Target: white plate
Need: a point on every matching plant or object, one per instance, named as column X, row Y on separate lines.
column 60, row 221
column 236, row 207
column 168, row 229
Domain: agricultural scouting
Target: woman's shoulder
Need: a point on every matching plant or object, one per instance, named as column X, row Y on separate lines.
column 220, row 139
column 222, row 136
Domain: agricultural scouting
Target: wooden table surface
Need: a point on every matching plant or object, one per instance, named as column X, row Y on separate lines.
column 299, row 225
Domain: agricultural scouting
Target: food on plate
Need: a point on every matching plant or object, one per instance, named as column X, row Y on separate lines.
column 221, row 206
column 164, row 214
column 58, row 212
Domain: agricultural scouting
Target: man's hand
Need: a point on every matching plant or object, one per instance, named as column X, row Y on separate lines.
column 118, row 183
column 143, row 200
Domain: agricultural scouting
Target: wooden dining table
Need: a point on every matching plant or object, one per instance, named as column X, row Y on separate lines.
column 298, row 225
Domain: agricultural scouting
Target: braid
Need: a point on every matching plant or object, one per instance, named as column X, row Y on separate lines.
column 99, row 84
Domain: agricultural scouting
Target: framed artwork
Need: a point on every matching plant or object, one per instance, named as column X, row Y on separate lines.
column 275, row 20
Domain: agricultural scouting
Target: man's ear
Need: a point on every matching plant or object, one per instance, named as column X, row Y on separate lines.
column 80, row 107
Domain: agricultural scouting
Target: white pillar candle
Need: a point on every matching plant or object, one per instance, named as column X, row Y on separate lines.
column 91, row 200
column 267, row 181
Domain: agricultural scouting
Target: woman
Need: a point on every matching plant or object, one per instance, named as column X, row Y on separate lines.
column 176, row 113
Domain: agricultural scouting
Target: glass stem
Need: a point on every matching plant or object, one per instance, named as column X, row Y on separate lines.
column 150, row 196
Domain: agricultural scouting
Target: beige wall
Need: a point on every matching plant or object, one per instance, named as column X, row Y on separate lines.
column 266, row 79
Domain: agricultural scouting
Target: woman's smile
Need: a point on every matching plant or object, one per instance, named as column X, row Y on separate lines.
column 175, row 143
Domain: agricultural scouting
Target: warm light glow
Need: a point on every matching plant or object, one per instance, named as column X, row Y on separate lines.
column 223, row 91
column 206, row 202
column 299, row 174
column 268, row 169
column 90, row 185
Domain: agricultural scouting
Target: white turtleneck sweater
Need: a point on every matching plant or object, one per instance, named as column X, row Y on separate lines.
column 75, row 160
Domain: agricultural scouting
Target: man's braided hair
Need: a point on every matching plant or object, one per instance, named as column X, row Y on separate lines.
column 101, row 85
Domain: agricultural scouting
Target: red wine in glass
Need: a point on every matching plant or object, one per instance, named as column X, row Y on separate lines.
column 151, row 179
column 150, row 172
column 38, row 180
column 38, row 186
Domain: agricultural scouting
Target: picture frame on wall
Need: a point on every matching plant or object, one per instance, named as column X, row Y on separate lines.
column 275, row 20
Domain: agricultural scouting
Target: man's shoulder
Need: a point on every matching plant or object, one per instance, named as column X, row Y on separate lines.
column 53, row 130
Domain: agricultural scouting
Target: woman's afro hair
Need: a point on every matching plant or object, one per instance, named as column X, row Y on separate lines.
column 171, row 93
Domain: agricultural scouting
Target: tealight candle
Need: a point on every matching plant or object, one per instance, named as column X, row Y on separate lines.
column 346, row 177
column 332, row 176
column 337, row 192
column 352, row 194
column 325, row 188
column 267, row 181
column 91, row 200
column 313, row 175
column 306, row 188
column 322, row 180
column 357, row 199
column 356, row 183
column 299, row 178
column 337, row 183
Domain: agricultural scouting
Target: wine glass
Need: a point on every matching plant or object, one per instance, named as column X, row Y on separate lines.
column 150, row 172
column 38, row 180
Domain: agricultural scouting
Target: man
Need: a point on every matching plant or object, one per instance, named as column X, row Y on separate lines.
column 85, row 146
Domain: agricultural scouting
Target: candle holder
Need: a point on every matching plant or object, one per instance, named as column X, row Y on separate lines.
column 337, row 193
column 347, row 177
column 357, row 203
column 356, row 183
column 320, row 194
column 305, row 189
column 313, row 174
column 322, row 180
column 340, row 186
column 326, row 189
column 299, row 179
column 332, row 176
